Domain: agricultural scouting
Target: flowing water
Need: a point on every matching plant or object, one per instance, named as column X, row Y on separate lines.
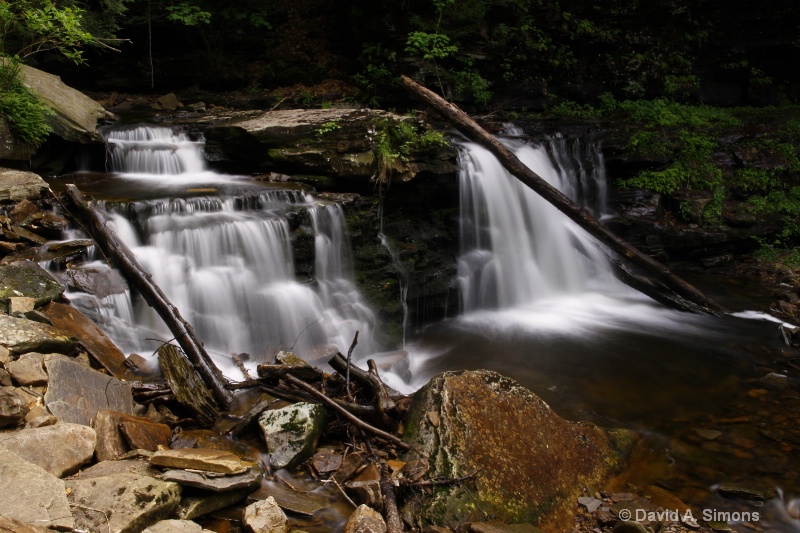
column 221, row 249
column 539, row 302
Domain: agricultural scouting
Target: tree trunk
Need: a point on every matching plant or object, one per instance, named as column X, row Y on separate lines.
column 579, row 215
column 116, row 250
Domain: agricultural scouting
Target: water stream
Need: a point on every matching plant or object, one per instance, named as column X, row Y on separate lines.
column 539, row 303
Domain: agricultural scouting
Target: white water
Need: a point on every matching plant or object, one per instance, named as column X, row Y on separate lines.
column 226, row 262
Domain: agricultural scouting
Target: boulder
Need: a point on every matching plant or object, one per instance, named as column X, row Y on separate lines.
column 292, row 432
column 75, row 114
column 19, row 336
column 76, row 393
column 13, row 407
column 32, row 495
column 329, row 143
column 123, row 503
column 265, row 516
column 58, row 449
column 16, row 185
column 365, row 520
column 529, row 464
column 28, row 279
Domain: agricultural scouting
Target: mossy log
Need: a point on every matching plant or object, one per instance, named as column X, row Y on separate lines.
column 198, row 359
column 575, row 212
column 186, row 384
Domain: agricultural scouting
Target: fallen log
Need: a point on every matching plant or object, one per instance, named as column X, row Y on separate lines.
column 579, row 215
column 117, row 251
column 187, row 386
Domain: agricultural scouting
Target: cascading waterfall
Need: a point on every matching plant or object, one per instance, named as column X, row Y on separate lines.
column 226, row 261
column 516, row 246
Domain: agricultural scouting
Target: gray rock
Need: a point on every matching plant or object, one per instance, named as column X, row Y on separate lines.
column 16, row 185
column 32, row 495
column 21, row 336
column 220, row 483
column 291, row 433
column 365, row 520
column 265, row 516
column 28, row 369
column 122, row 503
column 76, row 115
column 41, row 421
column 12, row 407
column 138, row 466
column 197, row 505
column 590, row 504
column 12, row 525
column 174, row 526
column 58, row 449
column 76, row 393
column 28, row 279
column 19, row 305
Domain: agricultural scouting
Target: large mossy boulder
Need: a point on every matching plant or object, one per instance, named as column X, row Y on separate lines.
column 529, row 464
column 338, row 144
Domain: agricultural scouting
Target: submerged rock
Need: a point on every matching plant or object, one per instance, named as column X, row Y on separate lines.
column 529, row 464
column 292, row 432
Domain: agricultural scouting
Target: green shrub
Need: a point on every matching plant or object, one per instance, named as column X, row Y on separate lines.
column 25, row 114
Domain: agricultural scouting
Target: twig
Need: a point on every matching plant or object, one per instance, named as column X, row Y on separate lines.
column 342, row 411
column 438, row 482
column 343, row 493
column 349, row 355
column 240, row 365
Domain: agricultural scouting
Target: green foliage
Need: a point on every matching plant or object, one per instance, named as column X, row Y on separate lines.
column 430, row 46
column 28, row 27
column 188, row 14
column 395, row 140
column 26, row 116
column 328, row 127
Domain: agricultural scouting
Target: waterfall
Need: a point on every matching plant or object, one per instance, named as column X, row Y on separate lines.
column 516, row 247
column 226, row 260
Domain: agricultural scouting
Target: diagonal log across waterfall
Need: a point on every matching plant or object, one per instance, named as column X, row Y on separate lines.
column 681, row 288
column 116, row 250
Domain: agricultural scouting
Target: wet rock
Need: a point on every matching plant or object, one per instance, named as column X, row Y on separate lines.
column 174, row 526
column 196, row 505
column 365, row 520
column 265, row 517
column 168, row 102
column 249, row 480
column 629, row 526
column 124, row 503
column 91, row 337
column 302, row 503
column 12, row 408
column 732, row 490
column 536, row 479
column 708, row 434
column 59, row 449
column 76, row 393
column 291, row 433
column 117, row 433
column 28, row 279
column 200, row 459
column 101, row 281
column 31, row 494
column 326, row 461
column 21, row 336
column 18, row 185
column 775, row 380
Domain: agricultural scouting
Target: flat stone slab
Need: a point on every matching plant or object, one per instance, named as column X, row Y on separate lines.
column 123, row 503
column 215, row 483
column 59, row 449
column 16, row 185
column 76, row 393
column 200, row 459
column 32, row 495
column 28, row 279
column 19, row 336
column 94, row 339
column 118, row 433
column 138, row 466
